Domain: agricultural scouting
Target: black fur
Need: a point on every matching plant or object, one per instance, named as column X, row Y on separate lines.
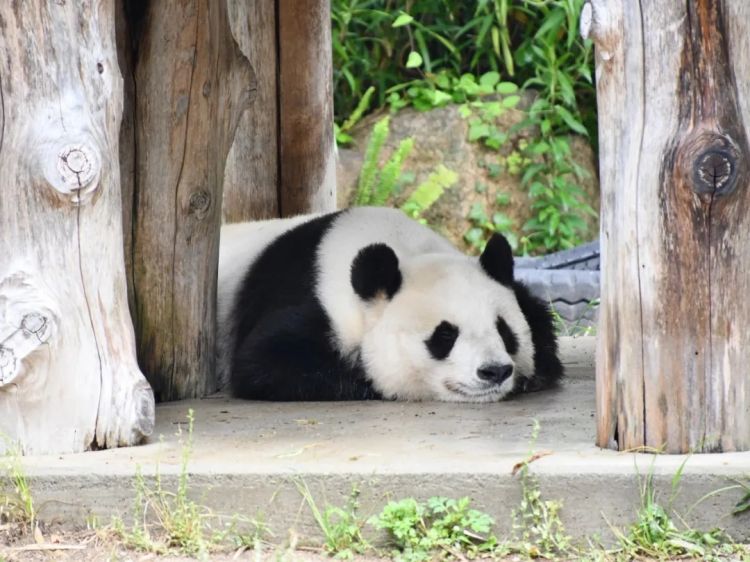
column 375, row 270
column 509, row 337
column 497, row 260
column 442, row 340
column 547, row 367
column 283, row 348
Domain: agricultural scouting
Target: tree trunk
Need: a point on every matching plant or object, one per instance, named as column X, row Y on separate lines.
column 68, row 374
column 192, row 84
column 306, row 148
column 674, row 106
column 251, row 177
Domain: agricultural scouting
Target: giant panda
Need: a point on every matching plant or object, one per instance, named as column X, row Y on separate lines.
column 366, row 303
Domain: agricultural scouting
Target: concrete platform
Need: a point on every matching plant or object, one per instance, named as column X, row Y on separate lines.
column 249, row 458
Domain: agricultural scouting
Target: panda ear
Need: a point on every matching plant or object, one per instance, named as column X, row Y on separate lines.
column 497, row 259
column 375, row 270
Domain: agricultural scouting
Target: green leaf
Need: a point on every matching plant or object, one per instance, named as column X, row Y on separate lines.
column 477, row 213
column 511, row 101
column 571, row 121
column 479, row 131
column 402, row 20
column 506, row 88
column 414, row 60
column 464, row 111
column 489, row 79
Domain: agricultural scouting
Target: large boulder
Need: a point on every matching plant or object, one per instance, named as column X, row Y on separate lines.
column 441, row 137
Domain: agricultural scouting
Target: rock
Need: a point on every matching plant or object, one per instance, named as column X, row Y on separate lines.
column 441, row 137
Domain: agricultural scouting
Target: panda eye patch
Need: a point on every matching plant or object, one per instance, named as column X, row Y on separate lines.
column 509, row 337
column 442, row 340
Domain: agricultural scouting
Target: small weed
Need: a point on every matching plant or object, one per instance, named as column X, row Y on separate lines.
column 179, row 522
column 16, row 501
column 744, row 504
column 578, row 328
column 536, row 522
column 446, row 526
column 341, row 527
column 655, row 533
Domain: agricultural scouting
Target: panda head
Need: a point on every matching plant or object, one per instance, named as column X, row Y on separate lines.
column 448, row 326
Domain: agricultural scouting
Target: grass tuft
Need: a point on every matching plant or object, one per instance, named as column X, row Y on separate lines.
column 341, row 527
column 16, row 501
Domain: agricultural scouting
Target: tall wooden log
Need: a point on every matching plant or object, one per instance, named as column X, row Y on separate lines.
column 674, row 108
column 306, row 147
column 252, row 170
column 192, row 84
column 68, row 374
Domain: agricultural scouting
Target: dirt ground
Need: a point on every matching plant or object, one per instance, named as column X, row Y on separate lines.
column 99, row 546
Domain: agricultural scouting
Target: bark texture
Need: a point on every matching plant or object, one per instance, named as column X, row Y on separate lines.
column 68, row 374
column 252, row 170
column 306, row 146
column 674, row 107
column 192, row 83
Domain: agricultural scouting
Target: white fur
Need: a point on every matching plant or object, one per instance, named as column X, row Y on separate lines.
column 439, row 283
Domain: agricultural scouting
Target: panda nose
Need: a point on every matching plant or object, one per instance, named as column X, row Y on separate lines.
column 495, row 372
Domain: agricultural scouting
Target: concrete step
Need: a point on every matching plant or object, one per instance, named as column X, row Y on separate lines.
column 249, row 458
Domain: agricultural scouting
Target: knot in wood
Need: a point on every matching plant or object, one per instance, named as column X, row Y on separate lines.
column 36, row 324
column 200, row 203
column 78, row 168
column 711, row 163
column 713, row 171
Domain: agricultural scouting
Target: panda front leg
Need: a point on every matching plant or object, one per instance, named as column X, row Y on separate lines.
column 288, row 357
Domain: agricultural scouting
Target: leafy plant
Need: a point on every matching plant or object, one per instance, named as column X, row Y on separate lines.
column 436, row 52
column 341, row 527
column 429, row 191
column 375, row 44
column 342, row 131
column 483, row 226
column 419, row 529
column 536, row 522
column 376, row 185
column 178, row 522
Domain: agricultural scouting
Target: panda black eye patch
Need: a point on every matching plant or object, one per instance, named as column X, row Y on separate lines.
column 509, row 337
column 440, row 343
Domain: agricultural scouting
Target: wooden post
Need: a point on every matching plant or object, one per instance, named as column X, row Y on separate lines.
column 68, row 374
column 252, row 170
column 306, row 148
column 192, row 85
column 674, row 107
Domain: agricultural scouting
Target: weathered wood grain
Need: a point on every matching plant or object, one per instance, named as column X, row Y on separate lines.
column 673, row 116
column 307, row 158
column 252, row 170
column 68, row 374
column 192, row 84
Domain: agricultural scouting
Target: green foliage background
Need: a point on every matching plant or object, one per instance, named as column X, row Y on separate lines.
column 430, row 53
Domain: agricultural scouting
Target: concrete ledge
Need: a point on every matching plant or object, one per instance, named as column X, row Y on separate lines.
column 249, row 458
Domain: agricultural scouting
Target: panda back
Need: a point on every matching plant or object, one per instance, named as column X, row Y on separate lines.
column 240, row 246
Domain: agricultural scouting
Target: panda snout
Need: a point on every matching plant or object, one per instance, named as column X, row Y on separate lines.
column 494, row 372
